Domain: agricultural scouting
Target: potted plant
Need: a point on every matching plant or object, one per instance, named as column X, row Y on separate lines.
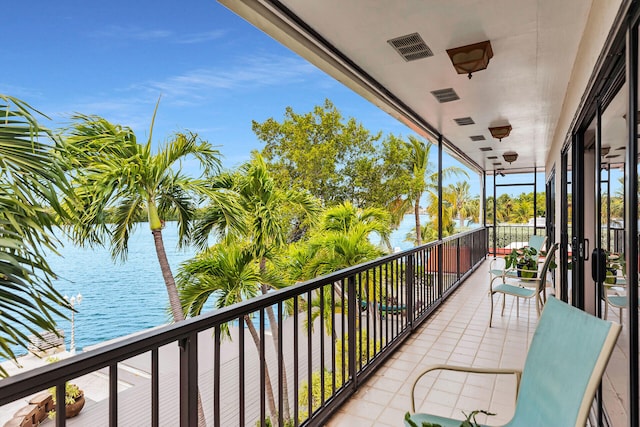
column 73, row 399
column 525, row 260
column 614, row 263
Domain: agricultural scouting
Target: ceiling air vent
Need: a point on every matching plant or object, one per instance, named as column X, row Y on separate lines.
column 445, row 95
column 497, row 164
column 464, row 121
column 477, row 138
column 492, row 157
column 486, row 149
column 411, row 47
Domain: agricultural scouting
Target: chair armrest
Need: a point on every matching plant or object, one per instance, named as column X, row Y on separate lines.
column 467, row 369
column 498, row 262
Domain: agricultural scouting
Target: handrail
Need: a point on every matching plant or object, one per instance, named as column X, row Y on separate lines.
column 404, row 281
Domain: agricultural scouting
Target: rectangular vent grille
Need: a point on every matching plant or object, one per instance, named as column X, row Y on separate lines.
column 445, row 95
column 492, row 157
column 464, row 121
column 497, row 164
column 477, row 138
column 613, row 156
column 486, row 149
column 411, row 47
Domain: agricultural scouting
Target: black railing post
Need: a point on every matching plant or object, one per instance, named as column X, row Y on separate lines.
column 457, row 259
column 217, row 364
column 155, row 388
column 353, row 313
column 60, row 404
column 189, row 380
column 410, row 281
column 440, row 264
column 113, row 395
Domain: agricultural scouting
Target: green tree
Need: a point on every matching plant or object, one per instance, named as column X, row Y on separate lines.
column 230, row 273
column 110, row 169
column 266, row 211
column 461, row 201
column 320, row 152
column 341, row 240
column 423, row 178
column 30, row 178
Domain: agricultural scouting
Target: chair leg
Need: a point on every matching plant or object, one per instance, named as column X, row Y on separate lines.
column 491, row 313
column 517, row 306
column 504, row 298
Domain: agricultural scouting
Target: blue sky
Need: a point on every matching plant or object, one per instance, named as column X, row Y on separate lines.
column 214, row 71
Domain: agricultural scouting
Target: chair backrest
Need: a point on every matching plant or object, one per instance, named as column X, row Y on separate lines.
column 537, row 242
column 542, row 278
column 566, row 360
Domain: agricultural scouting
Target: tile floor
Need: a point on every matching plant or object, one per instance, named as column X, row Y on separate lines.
column 458, row 333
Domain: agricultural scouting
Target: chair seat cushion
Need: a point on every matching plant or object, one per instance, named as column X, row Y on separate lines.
column 514, row 290
column 496, row 272
column 444, row 422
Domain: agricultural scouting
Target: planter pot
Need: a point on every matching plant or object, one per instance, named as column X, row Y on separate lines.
column 526, row 274
column 610, row 279
column 73, row 409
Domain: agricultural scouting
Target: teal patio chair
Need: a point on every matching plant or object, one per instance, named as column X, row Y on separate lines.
column 524, row 287
column 567, row 357
column 497, row 271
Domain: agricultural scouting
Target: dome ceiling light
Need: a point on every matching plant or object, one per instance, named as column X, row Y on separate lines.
column 510, row 156
column 500, row 132
column 471, row 58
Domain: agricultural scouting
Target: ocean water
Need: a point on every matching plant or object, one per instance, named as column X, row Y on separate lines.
column 120, row 298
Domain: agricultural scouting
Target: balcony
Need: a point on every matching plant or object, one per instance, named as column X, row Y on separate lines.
column 374, row 328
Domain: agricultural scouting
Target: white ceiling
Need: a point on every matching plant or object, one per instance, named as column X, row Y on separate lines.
column 534, row 45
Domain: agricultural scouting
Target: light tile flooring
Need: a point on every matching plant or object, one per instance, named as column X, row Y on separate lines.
column 458, row 333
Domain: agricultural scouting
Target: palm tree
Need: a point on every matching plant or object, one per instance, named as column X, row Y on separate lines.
column 341, row 240
column 231, row 274
column 29, row 179
column 460, row 193
column 423, row 178
column 110, row 169
column 267, row 211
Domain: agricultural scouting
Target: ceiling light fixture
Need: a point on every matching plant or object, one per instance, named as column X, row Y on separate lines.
column 510, row 156
column 471, row 58
column 500, row 132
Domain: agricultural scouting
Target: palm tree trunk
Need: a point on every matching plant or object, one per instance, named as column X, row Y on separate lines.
column 267, row 379
column 416, row 212
column 174, row 299
column 276, row 340
column 170, row 283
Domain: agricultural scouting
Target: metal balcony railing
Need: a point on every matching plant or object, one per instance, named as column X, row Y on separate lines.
column 510, row 236
column 331, row 332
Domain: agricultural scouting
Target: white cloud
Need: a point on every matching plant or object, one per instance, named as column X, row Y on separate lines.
column 145, row 34
column 200, row 37
column 269, row 70
column 132, row 33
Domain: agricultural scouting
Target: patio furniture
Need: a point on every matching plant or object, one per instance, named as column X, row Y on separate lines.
column 521, row 287
column 567, row 357
column 496, row 271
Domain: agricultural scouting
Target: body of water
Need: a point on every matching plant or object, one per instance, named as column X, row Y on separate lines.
column 120, row 298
